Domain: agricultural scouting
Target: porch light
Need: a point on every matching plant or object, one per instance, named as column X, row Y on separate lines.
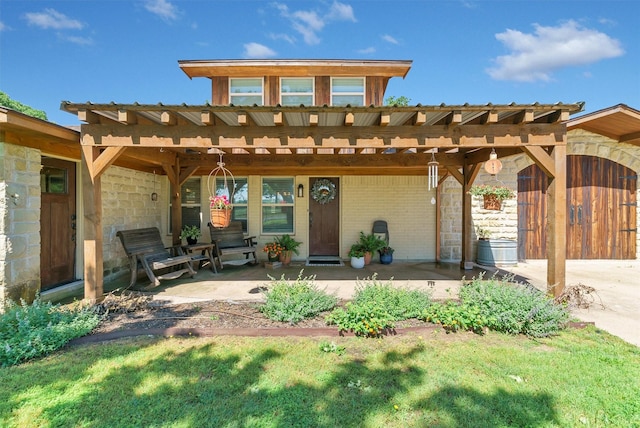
column 154, row 195
column 300, row 190
column 433, row 171
column 493, row 165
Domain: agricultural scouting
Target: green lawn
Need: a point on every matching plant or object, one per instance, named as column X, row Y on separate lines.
column 580, row 378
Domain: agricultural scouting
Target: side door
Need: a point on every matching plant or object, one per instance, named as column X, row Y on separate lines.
column 57, row 222
column 324, row 216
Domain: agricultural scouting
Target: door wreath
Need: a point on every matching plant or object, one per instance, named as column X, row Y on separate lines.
column 323, row 191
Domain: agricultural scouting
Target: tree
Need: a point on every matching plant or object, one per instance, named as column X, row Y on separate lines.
column 400, row 101
column 6, row 101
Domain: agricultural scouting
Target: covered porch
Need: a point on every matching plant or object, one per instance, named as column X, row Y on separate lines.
column 183, row 141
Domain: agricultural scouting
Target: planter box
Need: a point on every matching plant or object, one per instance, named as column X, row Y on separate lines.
column 497, row 252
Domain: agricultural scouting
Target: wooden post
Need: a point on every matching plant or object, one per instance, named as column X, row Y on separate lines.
column 557, row 223
column 93, row 239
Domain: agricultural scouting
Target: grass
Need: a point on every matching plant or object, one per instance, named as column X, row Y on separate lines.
column 578, row 378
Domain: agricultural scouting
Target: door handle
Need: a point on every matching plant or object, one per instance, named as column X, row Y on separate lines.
column 571, row 214
column 580, row 215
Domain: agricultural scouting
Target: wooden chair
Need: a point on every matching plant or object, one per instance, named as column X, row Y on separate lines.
column 231, row 241
column 145, row 250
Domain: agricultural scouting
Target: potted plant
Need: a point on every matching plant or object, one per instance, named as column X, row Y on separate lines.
column 191, row 233
column 273, row 250
column 357, row 256
column 492, row 195
column 386, row 255
column 289, row 245
column 495, row 252
column 370, row 244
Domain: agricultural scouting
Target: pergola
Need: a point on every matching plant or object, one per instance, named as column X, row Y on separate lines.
column 186, row 140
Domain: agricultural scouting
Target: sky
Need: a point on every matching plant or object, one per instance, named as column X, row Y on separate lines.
column 463, row 51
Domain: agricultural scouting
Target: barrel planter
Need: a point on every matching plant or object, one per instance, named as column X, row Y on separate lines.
column 497, row 252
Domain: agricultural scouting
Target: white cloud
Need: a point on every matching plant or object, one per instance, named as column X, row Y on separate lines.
column 309, row 23
column 256, row 50
column 51, row 18
column 368, row 50
column 535, row 56
column 162, row 8
column 82, row 41
column 390, row 39
column 3, row 27
column 341, row 12
column 285, row 37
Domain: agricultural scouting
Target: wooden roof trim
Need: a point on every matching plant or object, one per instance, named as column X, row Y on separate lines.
column 295, row 68
column 11, row 119
column 589, row 117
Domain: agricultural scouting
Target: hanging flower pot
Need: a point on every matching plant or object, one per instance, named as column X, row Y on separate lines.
column 220, row 218
column 491, row 202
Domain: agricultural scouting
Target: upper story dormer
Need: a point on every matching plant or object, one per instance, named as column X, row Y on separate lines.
column 297, row 82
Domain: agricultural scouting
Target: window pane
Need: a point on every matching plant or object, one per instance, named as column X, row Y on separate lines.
column 277, row 191
column 296, row 100
column 343, row 100
column 246, row 86
column 191, row 216
column 191, row 191
column 277, row 219
column 301, row 86
column 53, row 180
column 246, row 100
column 241, row 192
column 348, row 85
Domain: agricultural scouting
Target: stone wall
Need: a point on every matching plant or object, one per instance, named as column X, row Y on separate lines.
column 19, row 223
column 127, row 204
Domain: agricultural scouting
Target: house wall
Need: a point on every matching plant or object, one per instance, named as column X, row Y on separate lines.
column 19, row 223
column 127, row 204
column 504, row 223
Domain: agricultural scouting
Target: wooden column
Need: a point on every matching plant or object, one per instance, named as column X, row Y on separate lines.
column 93, row 239
column 470, row 172
column 557, row 224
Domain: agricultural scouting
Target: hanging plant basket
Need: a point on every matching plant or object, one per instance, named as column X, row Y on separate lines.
column 221, row 218
column 491, row 202
column 220, row 202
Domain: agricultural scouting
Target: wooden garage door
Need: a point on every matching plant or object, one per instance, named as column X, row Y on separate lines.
column 601, row 210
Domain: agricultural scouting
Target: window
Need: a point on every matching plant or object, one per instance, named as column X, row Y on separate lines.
column 347, row 90
column 190, row 202
column 296, row 91
column 245, row 92
column 53, row 180
column 240, row 198
column 277, row 205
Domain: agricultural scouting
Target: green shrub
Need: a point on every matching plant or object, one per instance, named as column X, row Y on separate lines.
column 376, row 306
column 293, row 301
column 400, row 303
column 501, row 305
column 515, row 308
column 367, row 319
column 29, row 331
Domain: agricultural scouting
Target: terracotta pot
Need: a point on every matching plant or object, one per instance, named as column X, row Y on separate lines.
column 220, row 218
column 491, row 202
column 367, row 258
column 285, row 258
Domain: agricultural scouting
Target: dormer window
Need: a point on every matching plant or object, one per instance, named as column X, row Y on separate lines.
column 295, row 91
column 246, row 92
column 347, row 90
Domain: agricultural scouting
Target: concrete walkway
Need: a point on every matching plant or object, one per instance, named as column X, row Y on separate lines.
column 616, row 308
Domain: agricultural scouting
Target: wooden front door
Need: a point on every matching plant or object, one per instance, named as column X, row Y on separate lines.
column 601, row 210
column 324, row 217
column 57, row 222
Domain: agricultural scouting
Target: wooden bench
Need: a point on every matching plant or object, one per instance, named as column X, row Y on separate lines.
column 145, row 250
column 231, row 241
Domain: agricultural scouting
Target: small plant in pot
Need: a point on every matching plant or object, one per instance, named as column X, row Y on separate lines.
column 356, row 253
column 370, row 244
column 289, row 245
column 386, row 255
column 191, row 234
column 492, row 195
